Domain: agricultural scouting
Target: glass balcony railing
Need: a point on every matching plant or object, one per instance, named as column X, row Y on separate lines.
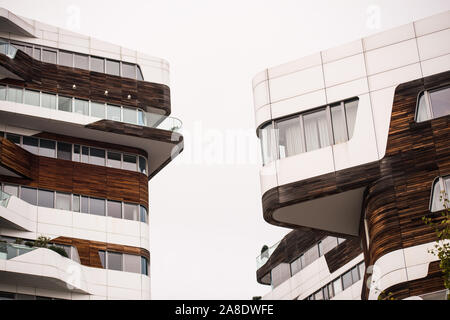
column 7, row 49
column 12, row 250
column 265, row 255
column 4, row 198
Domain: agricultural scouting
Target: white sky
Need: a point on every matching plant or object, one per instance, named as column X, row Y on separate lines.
column 205, row 217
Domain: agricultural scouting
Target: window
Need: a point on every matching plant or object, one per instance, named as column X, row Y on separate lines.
column 268, row 138
column 143, row 213
column 320, row 248
column 114, row 160
column 12, row 190
column 440, row 186
column 113, row 113
column 98, row 64
column 351, row 108
column 102, row 256
column 433, row 104
column 139, row 73
column 129, row 162
column 98, row 110
column 97, row 206
column 318, row 295
column 330, row 290
column 128, row 70
column 2, row 92
column 362, row 270
column 84, row 204
column 47, row 148
column 97, row 156
column 32, row 98
column 48, row 56
column 14, row 94
column 337, row 286
column 63, row 201
column 64, row 103
column 48, row 100
column 46, row 198
column 76, row 153
column 76, row 203
column 114, row 209
column 131, row 263
column 290, row 139
column 130, row 211
column 142, row 165
column 64, row 151
column 114, row 260
column 339, row 123
column 81, row 61
column 130, row 115
column 141, row 118
column 144, row 266
column 14, row 138
column 347, row 279
column 355, row 274
column 113, row 67
column 84, row 154
column 29, row 195
column 296, row 265
column 37, row 53
column 30, row 144
column 66, row 58
column 81, row 106
column 317, row 133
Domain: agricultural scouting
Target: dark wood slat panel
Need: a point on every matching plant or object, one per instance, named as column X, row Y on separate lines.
column 343, row 254
column 15, row 159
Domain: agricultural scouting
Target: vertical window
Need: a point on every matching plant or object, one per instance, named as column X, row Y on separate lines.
column 48, row 100
column 141, row 118
column 128, row 70
column 12, row 190
column 97, row 156
column 81, row 106
column 46, row 198
column 47, row 148
column 76, row 153
column 129, row 162
column 130, row 211
column 65, row 58
column 64, row 103
column 84, row 204
column 130, row 115
column 114, row 160
column 29, row 195
column 114, row 209
column 14, row 138
column 14, row 94
column 98, row 64
column 142, row 165
column 76, row 203
column 330, row 290
column 113, row 67
column 64, row 151
column 81, row 61
column 2, row 92
column 440, row 102
column 441, row 188
column 316, row 130
column 143, row 214
column 37, row 53
column 351, row 108
column 84, row 154
column 144, row 266
column 339, row 123
column 139, row 74
column 268, row 143
column 347, row 280
column 102, row 256
column 337, row 286
column 48, row 56
column 30, row 144
column 290, row 137
column 355, row 274
column 320, row 248
column 296, row 265
column 97, row 206
column 63, row 201
column 114, row 261
column 113, row 113
column 362, row 270
column 318, row 295
column 32, row 98
column 98, row 110
column 422, row 108
column 131, row 263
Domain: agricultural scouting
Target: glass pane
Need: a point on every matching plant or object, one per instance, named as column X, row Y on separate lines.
column 101, row 254
column 29, row 51
column 48, row 56
column 144, row 266
column 440, row 102
column 46, row 198
column 128, row 70
column 113, row 113
column 2, row 92
column 130, row 211
column 49, row 100
column 14, row 138
column 351, row 108
column 337, row 286
column 63, row 201
column 97, row 206
column 436, row 203
column 320, row 248
column 98, row 110
column 139, row 74
column 47, row 148
column 296, row 266
column 12, row 190
column 76, row 203
column 362, row 270
column 113, row 67
column 32, row 98
column 97, row 156
column 114, row 209
column 81, row 61
column 142, row 165
column 268, row 144
column 143, row 214
column 81, row 106
column 131, row 263
column 355, row 274
column 422, row 112
column 84, row 204
column 76, row 153
column 64, row 103
column 29, row 195
column 141, row 118
column 290, row 137
column 114, row 160
column 64, row 151
column 98, row 64
column 330, row 290
column 65, row 58
column 114, row 261
column 130, row 115
column 85, row 154
column 311, row 255
column 318, row 295
column 14, row 94
column 129, row 162
column 37, row 53
column 347, row 280
column 339, row 126
column 31, row 144
column 316, row 130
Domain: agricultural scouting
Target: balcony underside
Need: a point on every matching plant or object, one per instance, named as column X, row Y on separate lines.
column 11, row 23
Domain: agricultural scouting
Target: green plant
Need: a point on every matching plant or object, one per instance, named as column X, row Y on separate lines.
column 442, row 247
column 29, row 243
column 384, row 296
column 41, row 242
column 59, row 250
column 18, row 241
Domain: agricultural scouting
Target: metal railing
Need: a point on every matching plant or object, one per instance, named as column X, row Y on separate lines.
column 12, row 250
column 4, row 198
column 7, row 49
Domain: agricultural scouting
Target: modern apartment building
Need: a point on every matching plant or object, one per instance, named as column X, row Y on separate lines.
column 355, row 146
column 84, row 125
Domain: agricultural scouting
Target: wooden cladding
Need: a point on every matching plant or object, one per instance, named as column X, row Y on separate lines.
column 90, row 85
column 82, row 178
column 15, row 159
column 88, row 250
column 343, row 254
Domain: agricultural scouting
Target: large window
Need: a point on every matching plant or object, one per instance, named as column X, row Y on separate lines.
column 123, row 262
column 433, row 104
column 440, row 192
column 308, row 131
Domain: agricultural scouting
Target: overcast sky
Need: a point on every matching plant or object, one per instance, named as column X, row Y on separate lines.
column 206, row 219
